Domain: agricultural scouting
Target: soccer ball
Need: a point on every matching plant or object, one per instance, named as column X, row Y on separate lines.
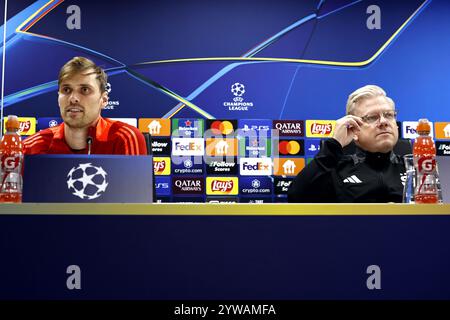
column 87, row 181
column 238, row 89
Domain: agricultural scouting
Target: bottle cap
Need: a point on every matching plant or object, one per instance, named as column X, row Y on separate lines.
column 423, row 127
column 12, row 122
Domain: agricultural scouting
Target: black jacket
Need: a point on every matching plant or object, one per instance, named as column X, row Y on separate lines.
column 333, row 176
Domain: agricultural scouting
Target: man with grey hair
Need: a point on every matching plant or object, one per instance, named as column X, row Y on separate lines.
column 372, row 173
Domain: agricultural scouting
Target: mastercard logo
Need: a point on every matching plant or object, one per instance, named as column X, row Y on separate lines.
column 289, row 147
column 222, row 127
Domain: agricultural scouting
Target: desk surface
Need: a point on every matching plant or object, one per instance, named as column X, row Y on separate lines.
column 224, row 209
column 225, row 251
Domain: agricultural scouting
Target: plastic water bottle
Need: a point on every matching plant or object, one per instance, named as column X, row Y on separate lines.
column 410, row 179
column 424, row 150
column 11, row 155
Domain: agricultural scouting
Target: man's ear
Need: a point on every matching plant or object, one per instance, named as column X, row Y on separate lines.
column 104, row 99
column 355, row 137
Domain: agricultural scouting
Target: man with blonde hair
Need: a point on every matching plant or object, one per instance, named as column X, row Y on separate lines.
column 82, row 95
column 372, row 173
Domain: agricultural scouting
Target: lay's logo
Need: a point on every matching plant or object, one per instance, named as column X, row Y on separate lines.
column 222, row 185
column 27, row 126
column 320, row 128
column 161, row 166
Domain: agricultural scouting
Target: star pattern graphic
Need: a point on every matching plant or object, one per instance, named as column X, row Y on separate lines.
column 86, row 180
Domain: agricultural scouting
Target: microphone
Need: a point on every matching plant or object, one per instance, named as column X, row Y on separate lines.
column 89, row 143
column 148, row 143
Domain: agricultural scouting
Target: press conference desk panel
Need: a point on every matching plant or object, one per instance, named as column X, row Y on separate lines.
column 232, row 251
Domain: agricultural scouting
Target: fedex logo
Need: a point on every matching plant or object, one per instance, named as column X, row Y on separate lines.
column 222, row 185
column 255, row 166
column 188, row 146
column 409, row 129
column 320, row 128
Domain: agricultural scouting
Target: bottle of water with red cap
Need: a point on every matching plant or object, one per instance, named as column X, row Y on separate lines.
column 11, row 161
column 424, row 151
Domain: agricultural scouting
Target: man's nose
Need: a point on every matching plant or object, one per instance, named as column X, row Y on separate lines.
column 382, row 120
column 73, row 99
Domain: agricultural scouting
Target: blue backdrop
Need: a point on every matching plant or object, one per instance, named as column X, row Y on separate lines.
column 162, row 55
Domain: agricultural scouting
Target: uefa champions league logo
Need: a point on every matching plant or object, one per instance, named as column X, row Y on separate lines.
column 238, row 89
column 87, row 181
column 238, row 103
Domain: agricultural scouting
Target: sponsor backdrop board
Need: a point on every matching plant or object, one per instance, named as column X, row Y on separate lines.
column 272, row 90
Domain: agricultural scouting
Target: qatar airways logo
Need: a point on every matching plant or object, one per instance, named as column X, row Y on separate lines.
column 319, row 128
column 188, row 185
column 289, row 127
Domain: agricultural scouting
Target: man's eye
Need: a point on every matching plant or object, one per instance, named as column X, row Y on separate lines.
column 372, row 118
column 85, row 90
column 65, row 90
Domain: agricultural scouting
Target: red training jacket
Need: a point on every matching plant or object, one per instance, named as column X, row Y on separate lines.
column 108, row 137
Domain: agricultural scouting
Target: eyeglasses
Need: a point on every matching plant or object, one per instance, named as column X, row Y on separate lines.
column 373, row 118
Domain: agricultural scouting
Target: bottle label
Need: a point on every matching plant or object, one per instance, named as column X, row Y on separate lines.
column 9, row 163
column 426, row 164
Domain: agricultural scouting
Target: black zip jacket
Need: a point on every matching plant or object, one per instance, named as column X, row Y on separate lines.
column 333, row 176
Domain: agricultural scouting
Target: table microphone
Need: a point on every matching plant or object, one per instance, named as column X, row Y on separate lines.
column 89, row 143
